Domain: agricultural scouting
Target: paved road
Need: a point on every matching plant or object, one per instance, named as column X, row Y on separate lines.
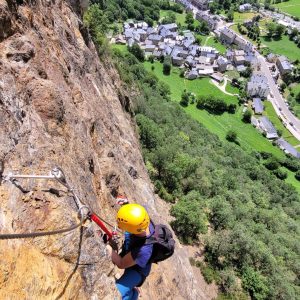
column 278, row 101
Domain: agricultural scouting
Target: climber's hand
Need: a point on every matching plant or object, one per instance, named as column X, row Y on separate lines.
column 121, row 200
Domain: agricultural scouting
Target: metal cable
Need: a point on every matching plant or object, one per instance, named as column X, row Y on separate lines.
column 9, row 236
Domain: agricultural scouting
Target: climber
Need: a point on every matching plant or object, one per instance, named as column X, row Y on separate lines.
column 135, row 256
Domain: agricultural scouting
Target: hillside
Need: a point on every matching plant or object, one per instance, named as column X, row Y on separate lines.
column 61, row 106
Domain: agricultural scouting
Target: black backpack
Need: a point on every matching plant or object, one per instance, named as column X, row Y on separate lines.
column 163, row 243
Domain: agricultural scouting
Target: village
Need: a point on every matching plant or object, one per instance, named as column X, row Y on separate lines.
column 166, row 40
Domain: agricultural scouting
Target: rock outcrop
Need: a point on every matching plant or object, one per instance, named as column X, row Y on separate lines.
column 61, row 106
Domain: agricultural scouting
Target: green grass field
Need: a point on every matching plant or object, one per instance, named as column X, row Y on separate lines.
column 216, row 44
column 271, row 114
column 180, row 18
column 178, row 84
column 249, row 138
column 291, row 7
column 283, row 47
column 241, row 17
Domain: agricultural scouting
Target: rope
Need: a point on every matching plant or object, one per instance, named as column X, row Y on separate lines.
column 8, row 236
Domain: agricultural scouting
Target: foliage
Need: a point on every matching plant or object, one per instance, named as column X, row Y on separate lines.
column 255, row 283
column 212, row 104
column 231, row 136
column 254, row 216
column 190, row 219
column 247, row 116
column 136, row 50
column 167, row 65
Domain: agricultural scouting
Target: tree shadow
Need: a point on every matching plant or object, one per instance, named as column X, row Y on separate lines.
column 75, row 268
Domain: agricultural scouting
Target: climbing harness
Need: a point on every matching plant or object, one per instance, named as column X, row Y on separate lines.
column 84, row 211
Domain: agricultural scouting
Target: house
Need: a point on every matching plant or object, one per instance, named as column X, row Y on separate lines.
column 227, row 36
column 157, row 54
column 222, row 63
column 155, row 38
column 205, row 51
column 283, row 65
column 190, row 62
column 271, row 58
column 229, row 54
column 200, row 4
column 287, row 148
column 203, row 60
column 177, row 60
column 142, row 33
column 189, row 36
column 254, row 121
column 266, row 125
column 171, row 27
column 258, row 106
column 207, row 71
column 211, row 20
column 243, row 44
column 258, row 86
column 128, row 34
column 245, row 7
column 239, row 60
column 149, row 48
column 241, row 68
column 239, row 52
column 217, row 77
column 193, row 74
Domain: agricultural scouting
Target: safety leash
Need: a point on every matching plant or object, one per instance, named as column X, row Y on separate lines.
column 83, row 210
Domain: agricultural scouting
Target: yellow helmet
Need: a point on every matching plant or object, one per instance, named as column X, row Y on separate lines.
column 133, row 218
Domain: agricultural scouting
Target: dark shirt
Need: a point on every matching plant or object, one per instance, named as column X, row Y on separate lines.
column 140, row 252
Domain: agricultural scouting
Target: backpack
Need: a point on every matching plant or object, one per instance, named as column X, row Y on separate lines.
column 163, row 243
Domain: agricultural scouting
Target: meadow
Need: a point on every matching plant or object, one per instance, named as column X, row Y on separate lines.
column 249, row 138
column 291, row 7
column 282, row 46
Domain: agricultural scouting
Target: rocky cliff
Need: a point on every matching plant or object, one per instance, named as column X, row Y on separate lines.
column 61, row 106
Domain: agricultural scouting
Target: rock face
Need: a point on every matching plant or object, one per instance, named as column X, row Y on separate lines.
column 61, row 106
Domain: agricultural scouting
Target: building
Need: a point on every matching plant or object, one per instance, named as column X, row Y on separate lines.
column 193, row 74
column 217, row 77
column 211, row 20
column 155, row 38
column 200, row 4
column 271, row 58
column 283, row 65
column 266, row 125
column 243, row 43
column 245, row 7
column 239, row 60
column 222, row 63
column 287, row 148
column 258, row 86
column 227, row 36
column 258, row 106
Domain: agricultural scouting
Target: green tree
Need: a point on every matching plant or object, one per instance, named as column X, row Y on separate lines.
column 247, row 116
column 185, row 99
column 189, row 219
column 136, row 50
column 231, row 136
column 189, row 19
column 167, row 65
column 255, row 284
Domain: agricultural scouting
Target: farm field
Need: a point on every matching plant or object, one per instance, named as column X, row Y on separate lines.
column 283, row 47
column 291, row 7
column 249, row 138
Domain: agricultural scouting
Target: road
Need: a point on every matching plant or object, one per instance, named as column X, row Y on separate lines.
column 277, row 100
